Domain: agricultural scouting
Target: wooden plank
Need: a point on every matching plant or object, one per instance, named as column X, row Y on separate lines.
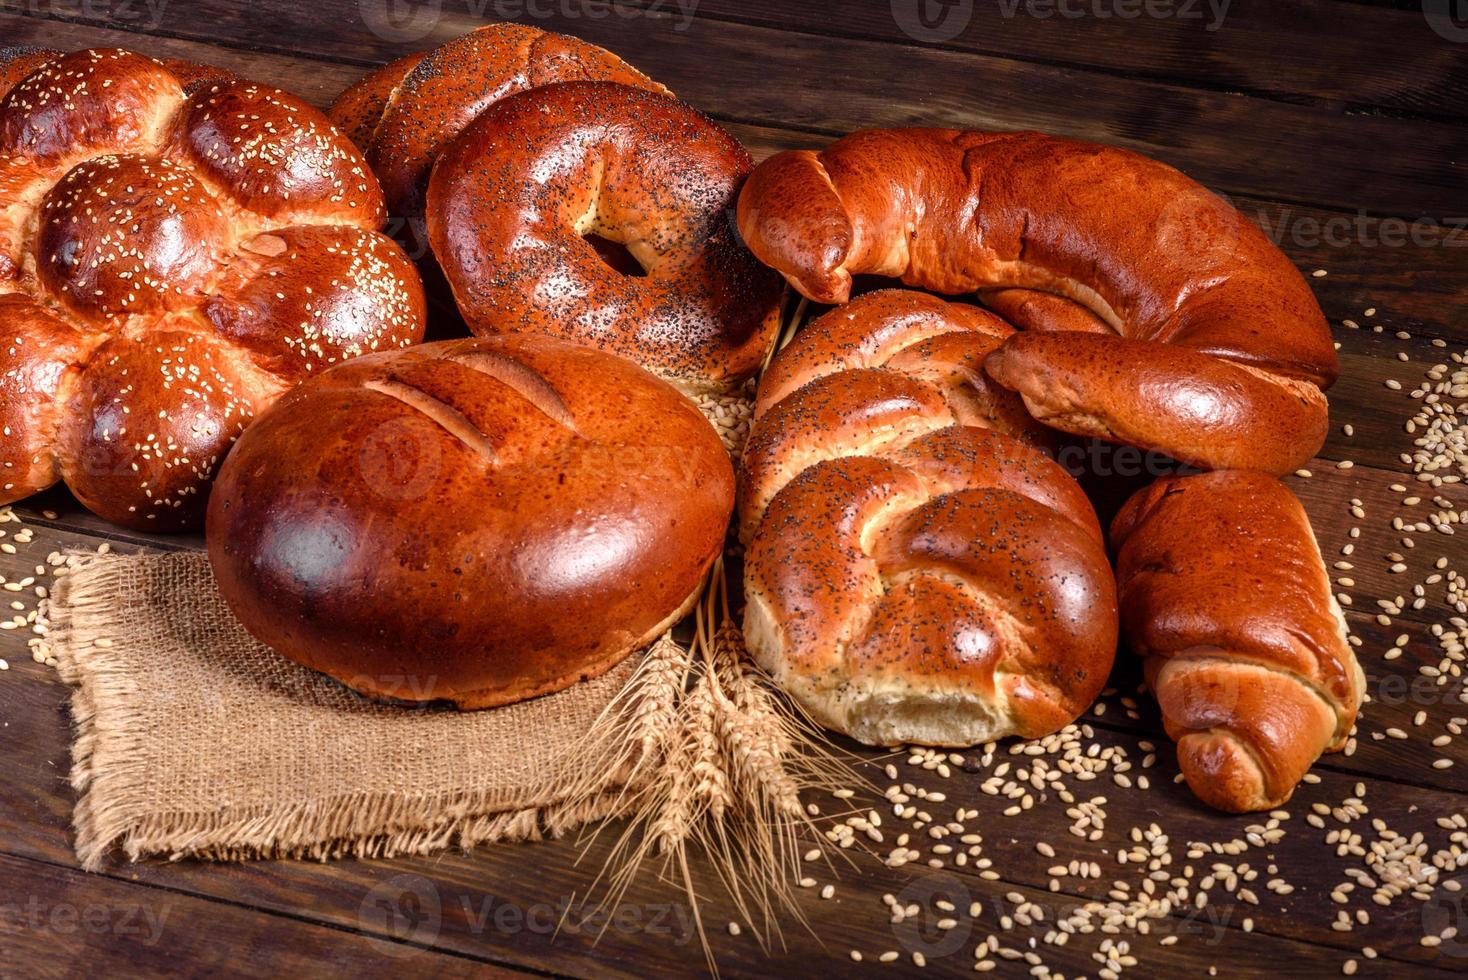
column 58, row 922
column 34, row 825
column 1300, row 51
column 469, row 889
column 317, row 82
column 1412, row 272
column 1292, row 152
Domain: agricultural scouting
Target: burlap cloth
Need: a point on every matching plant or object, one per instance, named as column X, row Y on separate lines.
column 193, row 739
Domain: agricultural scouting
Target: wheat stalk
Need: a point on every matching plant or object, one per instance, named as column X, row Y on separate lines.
column 728, row 781
column 717, row 762
column 635, row 721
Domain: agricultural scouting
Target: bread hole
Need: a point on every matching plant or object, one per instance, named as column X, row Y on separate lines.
column 523, row 379
column 615, row 256
column 455, row 422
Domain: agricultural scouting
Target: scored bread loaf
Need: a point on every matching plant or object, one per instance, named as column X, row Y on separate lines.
column 477, row 521
column 1224, row 593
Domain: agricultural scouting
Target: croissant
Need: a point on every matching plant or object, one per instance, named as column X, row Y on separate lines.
column 1223, row 592
column 1158, row 315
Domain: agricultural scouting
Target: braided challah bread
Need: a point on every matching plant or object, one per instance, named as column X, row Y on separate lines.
column 887, row 367
column 170, row 262
column 1224, row 592
column 1159, row 316
column 911, row 576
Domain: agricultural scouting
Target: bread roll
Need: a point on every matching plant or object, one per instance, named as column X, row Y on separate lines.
column 1171, row 323
column 910, row 577
column 514, row 203
column 177, row 248
column 1224, row 592
column 406, row 113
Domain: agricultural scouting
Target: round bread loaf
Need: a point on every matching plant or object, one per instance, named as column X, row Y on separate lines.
column 514, row 200
column 477, row 521
column 176, row 249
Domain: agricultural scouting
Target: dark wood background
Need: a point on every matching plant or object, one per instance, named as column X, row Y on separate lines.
column 1342, row 127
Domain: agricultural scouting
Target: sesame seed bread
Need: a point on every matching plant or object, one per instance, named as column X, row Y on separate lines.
column 177, row 248
column 918, row 569
column 1157, row 314
column 1224, row 592
column 477, row 521
column 512, row 201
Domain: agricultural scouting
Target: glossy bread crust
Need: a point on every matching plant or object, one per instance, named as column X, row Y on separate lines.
column 512, row 200
column 1224, row 592
column 910, row 577
column 406, row 113
column 1172, row 285
column 478, row 521
column 177, row 247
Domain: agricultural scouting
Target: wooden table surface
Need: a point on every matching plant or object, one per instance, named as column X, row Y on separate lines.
column 1341, row 127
